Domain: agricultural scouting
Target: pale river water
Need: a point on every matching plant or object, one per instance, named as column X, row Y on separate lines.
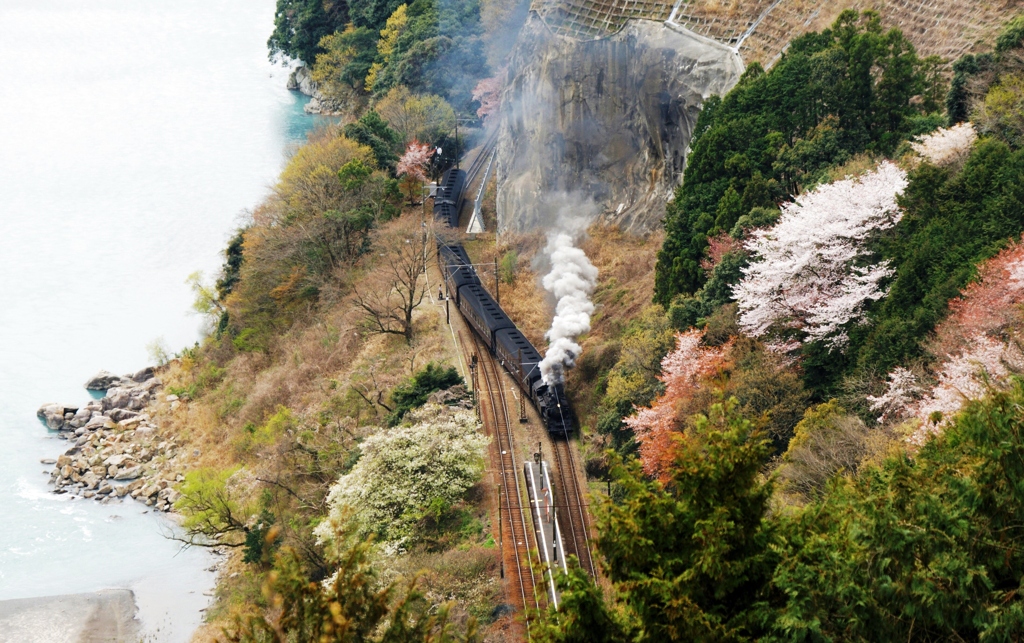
column 133, row 134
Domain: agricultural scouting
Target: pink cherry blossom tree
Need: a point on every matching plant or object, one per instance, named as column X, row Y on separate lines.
column 488, row 93
column 809, row 277
column 412, row 168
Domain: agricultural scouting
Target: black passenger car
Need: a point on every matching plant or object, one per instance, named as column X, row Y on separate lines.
column 456, row 268
column 482, row 312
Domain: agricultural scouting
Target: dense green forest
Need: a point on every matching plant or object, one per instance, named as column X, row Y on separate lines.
column 361, row 49
column 841, row 98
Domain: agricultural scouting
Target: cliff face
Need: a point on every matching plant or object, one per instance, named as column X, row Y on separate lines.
column 608, row 120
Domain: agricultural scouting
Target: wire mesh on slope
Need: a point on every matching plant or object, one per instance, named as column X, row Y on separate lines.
column 761, row 29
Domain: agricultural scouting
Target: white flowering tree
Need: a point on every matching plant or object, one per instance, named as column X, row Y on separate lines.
column 403, row 473
column 810, row 276
column 945, row 146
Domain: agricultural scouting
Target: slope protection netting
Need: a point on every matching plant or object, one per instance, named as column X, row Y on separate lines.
column 761, row 29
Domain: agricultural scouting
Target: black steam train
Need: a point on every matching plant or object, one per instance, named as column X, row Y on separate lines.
column 509, row 345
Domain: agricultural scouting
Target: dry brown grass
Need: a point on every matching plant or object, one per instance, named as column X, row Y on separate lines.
column 625, row 266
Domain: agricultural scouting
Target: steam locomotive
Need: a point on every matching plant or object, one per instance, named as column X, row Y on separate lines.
column 516, row 354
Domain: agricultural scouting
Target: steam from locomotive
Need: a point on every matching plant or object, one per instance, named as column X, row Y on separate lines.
column 571, row 280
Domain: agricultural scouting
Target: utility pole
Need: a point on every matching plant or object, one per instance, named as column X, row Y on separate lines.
column 497, row 291
column 501, row 535
column 522, row 394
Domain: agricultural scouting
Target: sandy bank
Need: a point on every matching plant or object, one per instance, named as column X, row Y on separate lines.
column 99, row 617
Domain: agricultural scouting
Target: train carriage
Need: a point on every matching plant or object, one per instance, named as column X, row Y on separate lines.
column 518, row 356
column 456, row 269
column 448, row 202
column 482, row 312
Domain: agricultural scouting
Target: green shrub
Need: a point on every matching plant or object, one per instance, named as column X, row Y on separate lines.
column 414, row 391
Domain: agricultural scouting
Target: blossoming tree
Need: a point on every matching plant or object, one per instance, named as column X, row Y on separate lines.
column 412, row 168
column 682, row 371
column 811, row 275
column 945, row 146
column 488, row 93
column 405, row 472
column 976, row 347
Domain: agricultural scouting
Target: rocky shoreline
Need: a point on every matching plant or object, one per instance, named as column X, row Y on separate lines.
column 301, row 80
column 115, row 446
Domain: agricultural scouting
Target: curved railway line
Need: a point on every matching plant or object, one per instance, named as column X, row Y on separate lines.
column 494, row 410
column 529, row 556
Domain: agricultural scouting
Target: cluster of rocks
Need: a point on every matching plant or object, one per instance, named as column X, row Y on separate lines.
column 301, row 80
column 115, row 447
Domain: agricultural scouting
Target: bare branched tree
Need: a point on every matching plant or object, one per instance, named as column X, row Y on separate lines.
column 395, row 284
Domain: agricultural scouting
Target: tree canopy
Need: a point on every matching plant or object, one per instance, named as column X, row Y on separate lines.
column 848, row 89
column 918, row 548
column 299, row 25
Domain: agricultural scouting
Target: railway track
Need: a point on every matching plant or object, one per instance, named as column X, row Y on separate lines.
column 576, row 525
column 477, row 166
column 494, row 410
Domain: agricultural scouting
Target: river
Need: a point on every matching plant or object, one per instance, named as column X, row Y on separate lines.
column 134, row 133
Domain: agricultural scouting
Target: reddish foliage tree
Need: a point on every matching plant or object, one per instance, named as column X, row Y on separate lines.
column 683, row 372
column 987, row 306
column 718, row 247
column 975, row 347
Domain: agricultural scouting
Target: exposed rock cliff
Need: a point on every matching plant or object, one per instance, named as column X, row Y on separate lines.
column 609, row 119
column 301, row 80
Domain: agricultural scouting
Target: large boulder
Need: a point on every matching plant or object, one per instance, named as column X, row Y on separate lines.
column 144, row 375
column 121, row 397
column 102, row 381
column 301, row 80
column 120, row 415
column 53, row 415
column 99, row 422
column 129, row 473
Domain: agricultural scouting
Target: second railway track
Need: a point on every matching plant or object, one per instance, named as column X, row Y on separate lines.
column 572, row 507
column 494, row 411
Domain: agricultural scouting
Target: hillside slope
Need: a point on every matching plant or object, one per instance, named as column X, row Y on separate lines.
column 761, row 29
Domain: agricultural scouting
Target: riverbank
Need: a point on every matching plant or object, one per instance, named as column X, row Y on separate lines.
column 116, row 454
column 107, row 616
column 115, row 444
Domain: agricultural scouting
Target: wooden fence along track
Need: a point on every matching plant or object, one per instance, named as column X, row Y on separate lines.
column 514, row 531
column 572, row 514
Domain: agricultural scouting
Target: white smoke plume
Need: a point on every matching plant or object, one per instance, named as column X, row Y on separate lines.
column 571, row 280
